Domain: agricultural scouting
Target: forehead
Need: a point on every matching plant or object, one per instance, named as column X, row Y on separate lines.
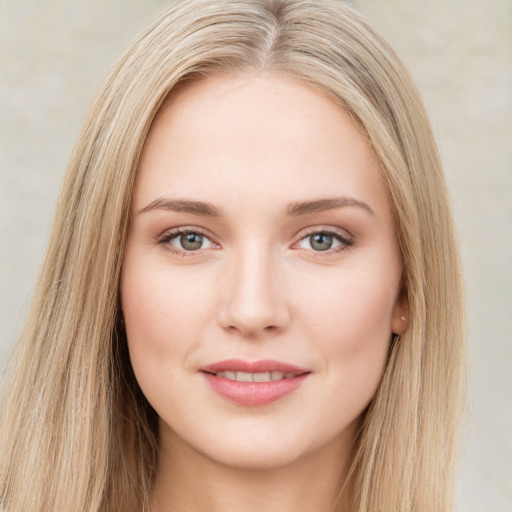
column 236, row 138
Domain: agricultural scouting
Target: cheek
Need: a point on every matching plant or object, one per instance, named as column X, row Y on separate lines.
column 350, row 304
column 350, row 323
column 163, row 314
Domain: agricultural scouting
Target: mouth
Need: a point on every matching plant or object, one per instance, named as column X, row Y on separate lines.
column 254, row 377
column 254, row 383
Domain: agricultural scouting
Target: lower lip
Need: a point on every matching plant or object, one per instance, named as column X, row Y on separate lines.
column 254, row 393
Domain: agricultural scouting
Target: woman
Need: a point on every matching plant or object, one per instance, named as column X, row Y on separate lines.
column 251, row 297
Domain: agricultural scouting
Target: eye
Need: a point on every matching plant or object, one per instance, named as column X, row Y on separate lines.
column 185, row 240
column 323, row 241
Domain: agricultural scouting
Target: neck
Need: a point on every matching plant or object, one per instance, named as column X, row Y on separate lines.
column 188, row 481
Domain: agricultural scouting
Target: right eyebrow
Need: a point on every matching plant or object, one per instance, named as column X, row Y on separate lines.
column 180, row 205
column 319, row 205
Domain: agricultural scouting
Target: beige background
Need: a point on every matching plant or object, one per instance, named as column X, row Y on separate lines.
column 54, row 53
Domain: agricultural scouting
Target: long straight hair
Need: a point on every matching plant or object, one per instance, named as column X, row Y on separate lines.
column 76, row 432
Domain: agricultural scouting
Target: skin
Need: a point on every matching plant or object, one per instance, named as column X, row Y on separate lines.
column 258, row 288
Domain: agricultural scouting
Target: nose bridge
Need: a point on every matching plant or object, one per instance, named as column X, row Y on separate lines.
column 254, row 298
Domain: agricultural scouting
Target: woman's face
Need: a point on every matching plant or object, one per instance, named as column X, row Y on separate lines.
column 262, row 245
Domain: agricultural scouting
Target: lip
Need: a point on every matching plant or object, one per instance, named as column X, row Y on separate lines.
column 254, row 393
column 265, row 365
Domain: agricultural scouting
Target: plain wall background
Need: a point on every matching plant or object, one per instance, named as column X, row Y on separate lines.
column 54, row 54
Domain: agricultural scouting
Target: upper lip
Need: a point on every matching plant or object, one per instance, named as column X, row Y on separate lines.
column 263, row 366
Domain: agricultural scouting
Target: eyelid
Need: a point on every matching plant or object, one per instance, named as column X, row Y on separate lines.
column 342, row 233
column 184, row 229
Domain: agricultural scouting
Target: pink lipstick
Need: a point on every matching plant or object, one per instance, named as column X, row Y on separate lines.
column 254, row 383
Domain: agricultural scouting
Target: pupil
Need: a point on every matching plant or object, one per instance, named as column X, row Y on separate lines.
column 191, row 241
column 321, row 241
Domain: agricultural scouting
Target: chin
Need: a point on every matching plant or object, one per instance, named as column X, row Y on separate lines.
column 260, row 456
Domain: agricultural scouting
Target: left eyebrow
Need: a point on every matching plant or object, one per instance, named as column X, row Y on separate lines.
column 180, row 205
column 320, row 205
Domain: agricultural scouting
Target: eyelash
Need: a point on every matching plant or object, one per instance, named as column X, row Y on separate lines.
column 346, row 241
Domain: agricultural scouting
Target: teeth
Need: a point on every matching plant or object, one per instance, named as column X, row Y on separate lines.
column 262, row 377
column 255, row 377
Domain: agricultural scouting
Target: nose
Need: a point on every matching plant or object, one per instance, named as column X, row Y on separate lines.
column 253, row 295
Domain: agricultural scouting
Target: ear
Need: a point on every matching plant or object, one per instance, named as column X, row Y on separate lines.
column 400, row 318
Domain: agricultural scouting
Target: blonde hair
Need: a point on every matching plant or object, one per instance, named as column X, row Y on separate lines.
column 76, row 433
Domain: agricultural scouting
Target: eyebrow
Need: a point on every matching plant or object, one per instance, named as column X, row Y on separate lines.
column 293, row 209
column 320, row 205
column 178, row 205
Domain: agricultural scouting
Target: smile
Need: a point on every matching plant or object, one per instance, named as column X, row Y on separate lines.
column 255, row 377
column 254, row 383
